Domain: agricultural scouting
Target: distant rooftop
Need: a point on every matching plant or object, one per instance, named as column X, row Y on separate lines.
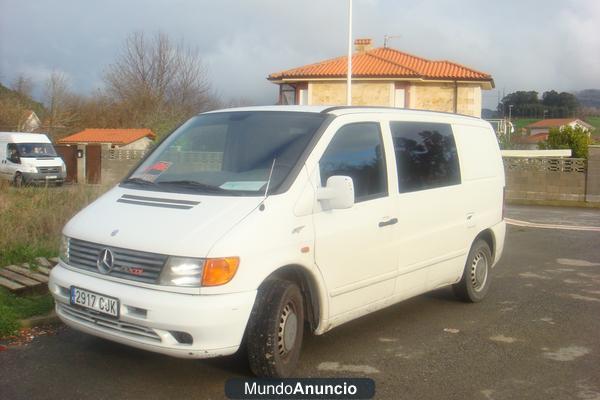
column 557, row 122
column 384, row 62
column 115, row 136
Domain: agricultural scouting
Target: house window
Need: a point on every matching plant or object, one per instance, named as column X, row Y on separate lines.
column 287, row 94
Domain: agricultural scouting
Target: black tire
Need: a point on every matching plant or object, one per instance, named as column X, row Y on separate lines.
column 18, row 180
column 275, row 329
column 477, row 277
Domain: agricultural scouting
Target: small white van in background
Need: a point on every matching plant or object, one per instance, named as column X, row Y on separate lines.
column 264, row 222
column 29, row 158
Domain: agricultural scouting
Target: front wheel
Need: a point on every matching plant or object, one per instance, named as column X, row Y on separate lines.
column 18, row 180
column 476, row 279
column 275, row 329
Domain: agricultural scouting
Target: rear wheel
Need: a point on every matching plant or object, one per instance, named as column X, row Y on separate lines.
column 476, row 279
column 275, row 329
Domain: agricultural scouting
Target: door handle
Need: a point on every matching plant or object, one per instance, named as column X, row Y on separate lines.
column 390, row 221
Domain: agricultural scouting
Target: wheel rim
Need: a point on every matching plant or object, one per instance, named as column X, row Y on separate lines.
column 479, row 271
column 288, row 329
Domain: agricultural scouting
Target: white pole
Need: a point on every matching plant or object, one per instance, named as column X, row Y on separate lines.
column 349, row 76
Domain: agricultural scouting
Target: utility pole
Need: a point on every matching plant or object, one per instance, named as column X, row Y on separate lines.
column 349, row 76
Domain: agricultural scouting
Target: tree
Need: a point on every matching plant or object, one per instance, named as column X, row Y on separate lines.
column 560, row 104
column 576, row 139
column 158, row 84
column 58, row 99
column 525, row 103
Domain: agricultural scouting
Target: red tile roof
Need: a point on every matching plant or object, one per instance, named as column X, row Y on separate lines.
column 384, row 62
column 527, row 139
column 556, row 122
column 115, row 136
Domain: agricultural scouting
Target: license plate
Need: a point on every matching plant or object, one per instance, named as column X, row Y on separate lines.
column 51, row 177
column 95, row 301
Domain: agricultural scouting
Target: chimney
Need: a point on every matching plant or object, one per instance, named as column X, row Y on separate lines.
column 362, row 45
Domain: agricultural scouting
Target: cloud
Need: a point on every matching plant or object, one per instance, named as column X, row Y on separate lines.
column 524, row 44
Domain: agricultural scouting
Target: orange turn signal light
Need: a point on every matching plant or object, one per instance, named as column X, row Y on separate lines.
column 219, row 271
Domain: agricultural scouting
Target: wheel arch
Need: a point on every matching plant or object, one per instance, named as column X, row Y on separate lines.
column 309, row 287
column 488, row 236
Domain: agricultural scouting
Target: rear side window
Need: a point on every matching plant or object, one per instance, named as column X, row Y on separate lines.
column 356, row 151
column 426, row 155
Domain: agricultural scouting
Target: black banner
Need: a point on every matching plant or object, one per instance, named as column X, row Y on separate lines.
column 304, row 388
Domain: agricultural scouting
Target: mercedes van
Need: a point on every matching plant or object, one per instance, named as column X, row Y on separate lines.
column 30, row 158
column 258, row 225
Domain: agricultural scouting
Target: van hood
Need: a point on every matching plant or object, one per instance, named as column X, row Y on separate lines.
column 42, row 161
column 159, row 222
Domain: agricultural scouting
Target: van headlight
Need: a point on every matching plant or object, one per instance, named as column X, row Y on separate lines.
column 195, row 272
column 63, row 252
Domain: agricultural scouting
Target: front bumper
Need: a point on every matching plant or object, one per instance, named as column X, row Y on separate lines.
column 39, row 177
column 148, row 318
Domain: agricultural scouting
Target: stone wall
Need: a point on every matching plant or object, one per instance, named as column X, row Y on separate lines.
column 422, row 96
column 432, row 96
column 469, row 100
column 117, row 163
column 593, row 176
column 546, row 179
column 363, row 93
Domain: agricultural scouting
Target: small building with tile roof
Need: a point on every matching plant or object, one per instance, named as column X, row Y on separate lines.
column 386, row 77
column 125, row 139
column 544, row 125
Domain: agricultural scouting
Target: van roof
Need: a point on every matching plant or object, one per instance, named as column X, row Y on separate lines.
column 344, row 110
column 23, row 137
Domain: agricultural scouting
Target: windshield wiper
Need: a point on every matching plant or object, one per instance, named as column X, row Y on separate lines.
column 139, row 181
column 198, row 186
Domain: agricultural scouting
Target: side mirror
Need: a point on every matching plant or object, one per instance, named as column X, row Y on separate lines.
column 15, row 159
column 338, row 193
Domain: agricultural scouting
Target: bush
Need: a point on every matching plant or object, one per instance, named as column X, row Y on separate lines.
column 568, row 137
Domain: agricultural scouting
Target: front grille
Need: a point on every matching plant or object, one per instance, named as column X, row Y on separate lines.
column 90, row 318
column 48, row 170
column 128, row 264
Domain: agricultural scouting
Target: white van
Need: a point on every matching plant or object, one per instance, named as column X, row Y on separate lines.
column 264, row 222
column 30, row 158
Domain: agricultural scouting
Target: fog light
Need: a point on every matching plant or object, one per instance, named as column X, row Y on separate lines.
column 182, row 337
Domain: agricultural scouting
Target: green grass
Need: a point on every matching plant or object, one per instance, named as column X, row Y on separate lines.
column 595, row 122
column 30, row 226
column 33, row 218
column 13, row 308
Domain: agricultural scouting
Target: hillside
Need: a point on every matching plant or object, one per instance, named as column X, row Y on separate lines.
column 13, row 105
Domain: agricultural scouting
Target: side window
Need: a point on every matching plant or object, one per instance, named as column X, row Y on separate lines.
column 356, row 151
column 11, row 151
column 425, row 155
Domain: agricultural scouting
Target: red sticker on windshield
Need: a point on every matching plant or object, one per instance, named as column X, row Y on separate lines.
column 160, row 166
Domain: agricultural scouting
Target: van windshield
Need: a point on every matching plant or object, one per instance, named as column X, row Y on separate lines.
column 231, row 153
column 35, row 150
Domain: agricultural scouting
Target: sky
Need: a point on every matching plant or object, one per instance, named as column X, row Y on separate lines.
column 523, row 44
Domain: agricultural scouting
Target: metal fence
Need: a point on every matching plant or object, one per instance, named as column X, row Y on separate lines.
column 119, row 154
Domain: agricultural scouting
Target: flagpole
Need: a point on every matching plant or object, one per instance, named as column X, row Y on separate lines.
column 349, row 72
